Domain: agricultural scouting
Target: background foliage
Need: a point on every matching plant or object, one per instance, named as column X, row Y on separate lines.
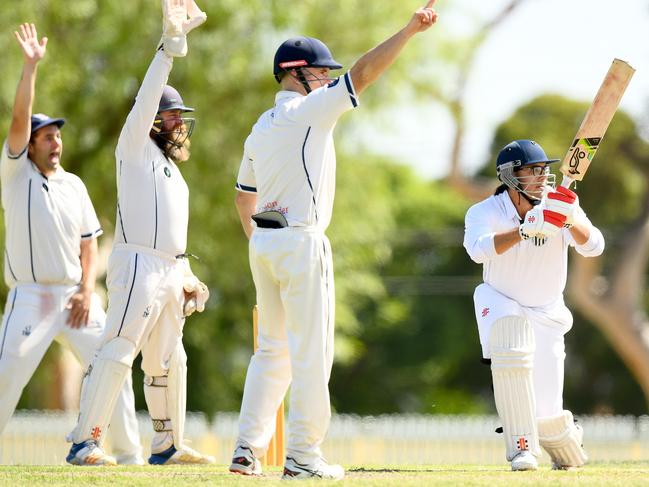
column 406, row 338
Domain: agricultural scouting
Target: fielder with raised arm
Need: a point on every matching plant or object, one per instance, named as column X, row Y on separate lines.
column 150, row 285
column 521, row 236
column 50, row 256
column 286, row 185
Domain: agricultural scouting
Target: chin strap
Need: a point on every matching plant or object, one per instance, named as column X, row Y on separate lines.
column 532, row 201
column 302, row 79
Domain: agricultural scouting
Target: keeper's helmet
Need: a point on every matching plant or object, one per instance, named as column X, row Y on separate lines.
column 171, row 100
column 515, row 156
column 302, row 52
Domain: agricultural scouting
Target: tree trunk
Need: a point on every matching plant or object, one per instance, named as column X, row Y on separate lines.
column 617, row 308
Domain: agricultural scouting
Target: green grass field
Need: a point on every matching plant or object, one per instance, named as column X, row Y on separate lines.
column 623, row 474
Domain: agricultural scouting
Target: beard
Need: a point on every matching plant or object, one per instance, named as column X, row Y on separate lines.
column 175, row 145
column 176, row 153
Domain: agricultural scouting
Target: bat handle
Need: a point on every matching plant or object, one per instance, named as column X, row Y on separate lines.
column 566, row 182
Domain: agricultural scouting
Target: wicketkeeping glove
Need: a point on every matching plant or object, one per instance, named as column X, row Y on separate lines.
column 563, row 201
column 540, row 224
column 200, row 294
column 179, row 17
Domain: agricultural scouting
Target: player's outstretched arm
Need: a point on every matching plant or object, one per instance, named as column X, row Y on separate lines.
column 179, row 17
column 373, row 63
column 33, row 52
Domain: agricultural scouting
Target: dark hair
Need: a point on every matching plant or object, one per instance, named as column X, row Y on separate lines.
column 500, row 189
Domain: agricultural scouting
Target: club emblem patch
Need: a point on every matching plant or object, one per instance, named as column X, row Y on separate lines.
column 96, row 432
column 167, row 172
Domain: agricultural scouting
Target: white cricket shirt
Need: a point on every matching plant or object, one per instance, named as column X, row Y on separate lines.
column 289, row 157
column 45, row 221
column 530, row 275
column 152, row 196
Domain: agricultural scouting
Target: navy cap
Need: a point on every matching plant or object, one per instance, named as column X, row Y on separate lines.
column 303, row 51
column 171, row 100
column 40, row 120
column 523, row 153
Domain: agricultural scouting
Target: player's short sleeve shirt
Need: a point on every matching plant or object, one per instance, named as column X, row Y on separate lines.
column 45, row 221
column 289, row 158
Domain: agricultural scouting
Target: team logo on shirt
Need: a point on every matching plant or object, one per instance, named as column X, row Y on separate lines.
column 167, row 171
column 485, row 312
column 27, row 331
column 147, row 312
column 531, row 219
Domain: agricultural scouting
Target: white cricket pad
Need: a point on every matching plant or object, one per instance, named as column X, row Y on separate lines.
column 511, row 342
column 177, row 393
column 101, row 387
column 562, row 439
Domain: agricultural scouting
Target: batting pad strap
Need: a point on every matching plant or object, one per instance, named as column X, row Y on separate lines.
column 562, row 439
column 155, row 381
column 511, row 342
column 161, row 425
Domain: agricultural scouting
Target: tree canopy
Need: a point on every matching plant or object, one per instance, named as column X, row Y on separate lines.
column 406, row 336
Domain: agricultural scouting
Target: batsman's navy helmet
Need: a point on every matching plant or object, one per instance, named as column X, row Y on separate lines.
column 171, row 100
column 522, row 153
column 301, row 51
column 40, row 120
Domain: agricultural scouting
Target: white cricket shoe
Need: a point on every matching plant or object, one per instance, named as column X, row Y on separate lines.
column 89, row 453
column 244, row 462
column 319, row 469
column 184, row 456
column 524, row 460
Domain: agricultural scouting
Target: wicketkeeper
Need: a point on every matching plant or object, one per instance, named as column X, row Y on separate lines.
column 150, row 284
column 521, row 235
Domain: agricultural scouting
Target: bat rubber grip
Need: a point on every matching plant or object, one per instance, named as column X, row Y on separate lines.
column 566, row 182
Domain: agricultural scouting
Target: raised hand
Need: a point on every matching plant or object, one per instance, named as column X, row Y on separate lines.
column 423, row 18
column 33, row 50
column 179, row 18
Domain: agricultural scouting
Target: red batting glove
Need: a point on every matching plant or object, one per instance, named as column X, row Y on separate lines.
column 563, row 201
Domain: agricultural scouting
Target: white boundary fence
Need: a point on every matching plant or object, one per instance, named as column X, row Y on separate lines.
column 38, row 438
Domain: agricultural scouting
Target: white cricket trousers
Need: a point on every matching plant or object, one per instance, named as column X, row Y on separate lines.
column 550, row 324
column 145, row 298
column 145, row 301
column 35, row 315
column 293, row 273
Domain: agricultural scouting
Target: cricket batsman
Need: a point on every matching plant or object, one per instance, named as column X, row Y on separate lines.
column 150, row 285
column 521, row 236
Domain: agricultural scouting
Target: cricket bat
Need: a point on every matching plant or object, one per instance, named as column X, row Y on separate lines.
column 597, row 119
